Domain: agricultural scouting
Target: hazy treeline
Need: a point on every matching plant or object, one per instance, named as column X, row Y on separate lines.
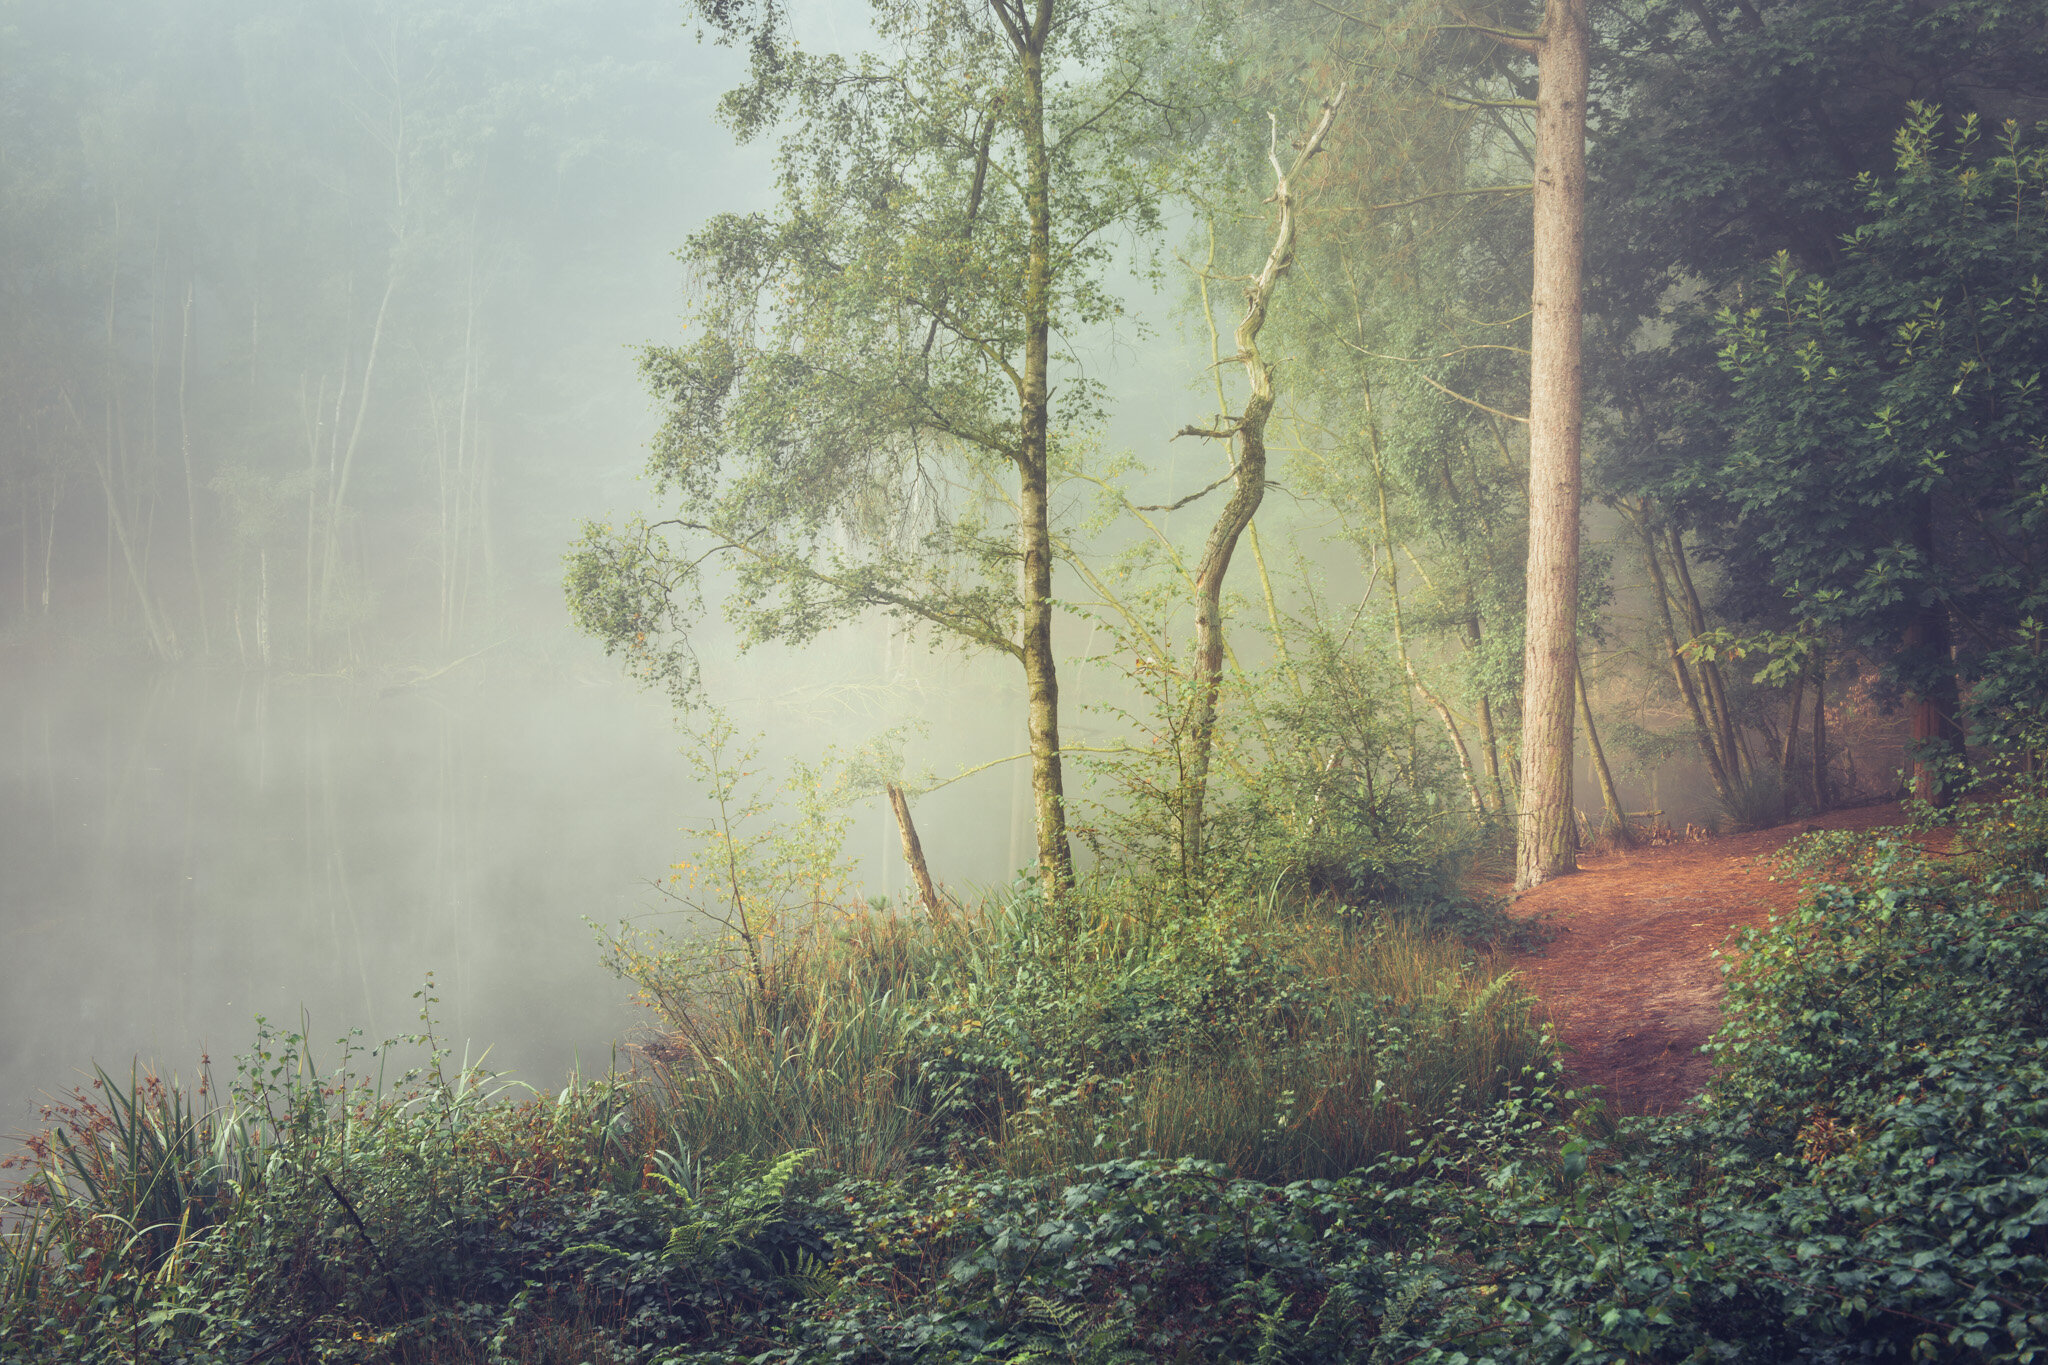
column 296, row 320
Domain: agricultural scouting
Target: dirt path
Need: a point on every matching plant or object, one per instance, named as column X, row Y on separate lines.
column 1630, row 979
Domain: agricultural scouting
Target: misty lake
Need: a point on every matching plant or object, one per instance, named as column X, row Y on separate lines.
column 186, row 850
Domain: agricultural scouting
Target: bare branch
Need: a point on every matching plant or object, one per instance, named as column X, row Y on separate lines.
column 1176, row 506
column 1450, row 194
column 1424, row 376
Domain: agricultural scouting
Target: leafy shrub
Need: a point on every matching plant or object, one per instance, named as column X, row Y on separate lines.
column 1866, row 1177
column 1856, row 992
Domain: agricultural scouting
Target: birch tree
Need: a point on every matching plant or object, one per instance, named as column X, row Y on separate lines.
column 868, row 419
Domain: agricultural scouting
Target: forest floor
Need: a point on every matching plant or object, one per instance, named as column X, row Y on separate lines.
column 1630, row 978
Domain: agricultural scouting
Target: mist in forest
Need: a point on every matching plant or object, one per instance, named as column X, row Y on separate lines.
column 690, row 677
column 319, row 349
column 315, row 352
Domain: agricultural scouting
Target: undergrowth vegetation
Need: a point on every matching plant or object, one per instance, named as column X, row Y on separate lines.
column 1270, row 1133
column 1279, row 1042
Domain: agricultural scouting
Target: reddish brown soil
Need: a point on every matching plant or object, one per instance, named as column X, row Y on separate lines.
column 1630, row 979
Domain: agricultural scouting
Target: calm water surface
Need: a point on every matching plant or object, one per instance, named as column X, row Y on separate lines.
column 183, row 852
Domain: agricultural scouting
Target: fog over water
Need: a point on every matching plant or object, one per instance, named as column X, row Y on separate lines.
column 184, row 850
column 275, row 739
column 187, row 850
column 319, row 348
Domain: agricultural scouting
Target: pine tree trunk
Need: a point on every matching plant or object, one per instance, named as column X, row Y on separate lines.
column 1544, row 839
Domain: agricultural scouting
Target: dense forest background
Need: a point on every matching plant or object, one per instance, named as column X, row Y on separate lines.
column 1802, row 402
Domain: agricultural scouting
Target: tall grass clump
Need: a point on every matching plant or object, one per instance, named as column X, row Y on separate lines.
column 825, row 1058
column 154, row 1220
column 1283, row 1042
column 1410, row 1032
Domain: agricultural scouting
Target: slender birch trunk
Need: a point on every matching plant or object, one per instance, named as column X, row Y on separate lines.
column 1822, row 797
column 1436, row 702
column 1028, row 35
column 1712, row 689
column 337, row 498
column 1619, row 829
column 313, row 426
column 913, row 855
column 112, row 471
column 50, row 532
column 1489, row 737
column 1710, row 752
column 1791, row 731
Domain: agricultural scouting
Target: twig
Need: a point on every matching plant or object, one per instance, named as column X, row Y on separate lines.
column 1176, row 506
column 390, row 1281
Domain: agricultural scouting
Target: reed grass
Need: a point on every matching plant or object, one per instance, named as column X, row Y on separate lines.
column 1281, row 1042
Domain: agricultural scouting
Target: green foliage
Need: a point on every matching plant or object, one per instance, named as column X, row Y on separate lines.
column 1353, row 804
column 1850, row 1189
column 438, row 1219
column 750, row 880
column 365, row 1223
column 1864, row 1180
column 847, row 431
column 1269, row 1040
column 1886, row 448
column 1323, row 787
column 1729, row 134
